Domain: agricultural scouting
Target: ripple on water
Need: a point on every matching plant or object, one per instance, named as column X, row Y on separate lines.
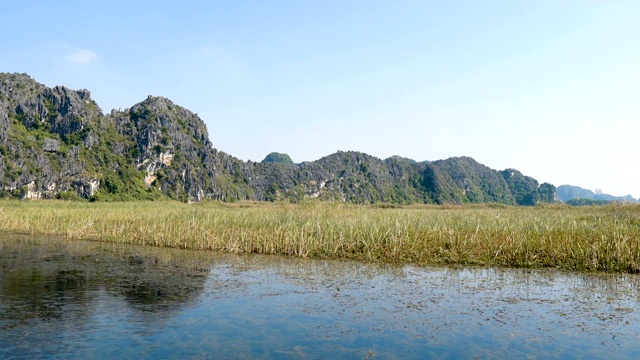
column 64, row 299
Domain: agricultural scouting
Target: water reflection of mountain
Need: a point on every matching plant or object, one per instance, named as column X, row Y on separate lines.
column 62, row 299
column 46, row 279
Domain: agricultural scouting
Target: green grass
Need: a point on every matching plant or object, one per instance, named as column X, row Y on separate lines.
column 602, row 238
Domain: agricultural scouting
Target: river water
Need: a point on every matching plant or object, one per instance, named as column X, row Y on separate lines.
column 86, row 300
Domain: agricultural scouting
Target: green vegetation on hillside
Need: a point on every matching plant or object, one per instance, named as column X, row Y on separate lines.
column 279, row 158
column 587, row 202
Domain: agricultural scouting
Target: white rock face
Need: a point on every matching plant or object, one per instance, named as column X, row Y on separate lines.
column 31, row 193
column 166, row 158
column 149, row 179
column 152, row 165
column 94, row 185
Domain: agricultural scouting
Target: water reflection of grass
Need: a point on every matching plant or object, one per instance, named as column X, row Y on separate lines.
column 585, row 238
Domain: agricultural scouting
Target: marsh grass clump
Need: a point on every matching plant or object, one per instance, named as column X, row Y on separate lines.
column 603, row 238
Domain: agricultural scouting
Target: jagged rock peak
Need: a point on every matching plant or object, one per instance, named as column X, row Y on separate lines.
column 15, row 84
column 158, row 103
column 9, row 80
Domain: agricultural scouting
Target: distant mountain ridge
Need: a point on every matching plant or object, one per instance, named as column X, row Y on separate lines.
column 57, row 143
column 567, row 193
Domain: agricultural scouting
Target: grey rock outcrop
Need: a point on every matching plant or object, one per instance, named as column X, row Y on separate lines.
column 51, row 145
column 36, row 121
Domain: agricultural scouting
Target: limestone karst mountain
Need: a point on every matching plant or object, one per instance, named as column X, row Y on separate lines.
column 575, row 194
column 57, row 143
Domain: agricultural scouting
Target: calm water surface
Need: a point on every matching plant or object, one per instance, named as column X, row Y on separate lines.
column 62, row 299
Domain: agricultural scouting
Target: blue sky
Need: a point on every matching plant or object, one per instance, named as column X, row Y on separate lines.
column 547, row 87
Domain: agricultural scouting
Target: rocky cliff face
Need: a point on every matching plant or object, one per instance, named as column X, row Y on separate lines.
column 41, row 138
column 57, row 143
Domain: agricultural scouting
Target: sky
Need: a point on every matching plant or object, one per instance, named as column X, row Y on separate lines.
column 549, row 88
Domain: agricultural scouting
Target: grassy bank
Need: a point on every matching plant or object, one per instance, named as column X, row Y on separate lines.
column 603, row 238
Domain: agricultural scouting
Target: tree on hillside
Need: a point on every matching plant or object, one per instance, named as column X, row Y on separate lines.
column 280, row 158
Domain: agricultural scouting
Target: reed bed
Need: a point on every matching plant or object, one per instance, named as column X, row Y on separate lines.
column 605, row 238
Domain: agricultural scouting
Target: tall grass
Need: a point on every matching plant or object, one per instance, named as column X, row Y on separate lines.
column 583, row 238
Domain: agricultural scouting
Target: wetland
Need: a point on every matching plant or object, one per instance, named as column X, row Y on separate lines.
column 592, row 238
